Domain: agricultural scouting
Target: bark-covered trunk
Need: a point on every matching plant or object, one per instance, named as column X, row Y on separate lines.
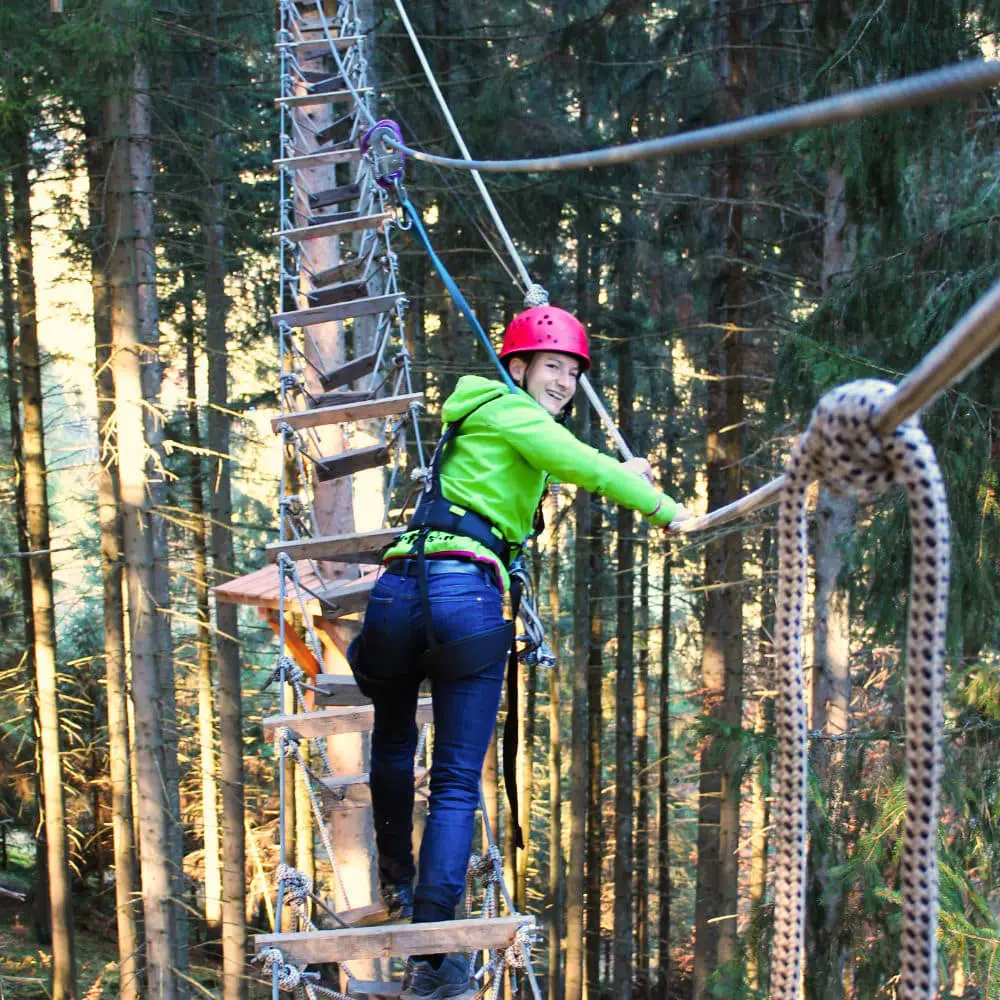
column 624, row 685
column 595, row 733
column 40, row 567
column 206, row 696
column 664, row 888
column 579, row 749
column 128, row 362
column 127, row 889
column 555, row 763
column 831, row 680
column 643, row 882
column 227, row 652
column 722, row 657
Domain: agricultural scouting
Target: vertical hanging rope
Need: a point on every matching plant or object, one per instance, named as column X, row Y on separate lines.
column 841, row 449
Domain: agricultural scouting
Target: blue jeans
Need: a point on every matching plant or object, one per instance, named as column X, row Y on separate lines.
column 465, row 713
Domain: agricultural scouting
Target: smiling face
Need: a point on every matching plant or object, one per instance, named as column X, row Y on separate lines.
column 548, row 377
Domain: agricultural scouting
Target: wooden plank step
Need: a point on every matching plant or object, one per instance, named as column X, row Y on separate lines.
column 347, row 463
column 341, row 599
column 344, row 291
column 349, row 372
column 305, row 23
column 337, row 721
column 334, row 196
column 338, row 227
column 334, row 96
column 325, row 399
column 336, row 132
column 374, row 990
column 362, row 546
column 346, row 270
column 338, row 691
column 320, row 159
column 313, row 947
column 371, row 409
column 337, row 311
column 370, row 915
column 355, row 791
column 318, row 46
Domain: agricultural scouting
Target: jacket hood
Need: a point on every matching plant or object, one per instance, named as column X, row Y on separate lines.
column 471, row 392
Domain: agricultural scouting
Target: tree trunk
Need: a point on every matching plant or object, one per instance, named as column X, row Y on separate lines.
column 527, row 699
column 579, row 747
column 127, row 888
column 555, row 760
column 595, row 831
column 128, row 367
column 643, row 882
column 227, row 652
column 206, row 698
column 625, row 684
column 40, row 568
column 147, row 310
column 664, row 888
column 722, row 658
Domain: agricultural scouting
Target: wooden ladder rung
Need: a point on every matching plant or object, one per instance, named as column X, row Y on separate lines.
column 344, row 271
column 335, row 312
column 336, row 132
column 334, row 196
column 338, row 227
column 336, row 721
column 344, row 291
column 316, row 47
column 385, row 407
column 320, row 159
column 359, row 916
column 338, row 691
column 320, row 97
column 315, row 24
column 354, row 791
column 361, row 546
column 341, row 599
column 314, row 947
column 349, row 372
column 347, row 463
column 373, row 990
column 325, row 399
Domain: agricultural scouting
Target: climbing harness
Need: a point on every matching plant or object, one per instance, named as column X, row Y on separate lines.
column 844, row 450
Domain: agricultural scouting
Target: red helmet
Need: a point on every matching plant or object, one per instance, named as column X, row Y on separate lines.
column 546, row 328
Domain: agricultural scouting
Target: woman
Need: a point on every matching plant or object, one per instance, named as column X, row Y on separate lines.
column 437, row 611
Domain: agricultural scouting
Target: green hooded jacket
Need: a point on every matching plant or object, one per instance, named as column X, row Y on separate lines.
column 508, row 448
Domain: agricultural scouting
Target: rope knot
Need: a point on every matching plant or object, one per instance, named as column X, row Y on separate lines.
column 536, row 295
column 297, row 884
column 844, row 450
column 289, row 976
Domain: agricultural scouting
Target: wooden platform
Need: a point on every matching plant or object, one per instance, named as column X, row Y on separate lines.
column 260, row 588
column 373, row 990
column 336, row 721
column 338, row 227
column 337, row 311
column 313, row 947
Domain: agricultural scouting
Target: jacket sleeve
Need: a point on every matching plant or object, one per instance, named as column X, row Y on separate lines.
column 550, row 447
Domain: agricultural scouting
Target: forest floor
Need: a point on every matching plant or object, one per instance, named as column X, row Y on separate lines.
column 25, row 964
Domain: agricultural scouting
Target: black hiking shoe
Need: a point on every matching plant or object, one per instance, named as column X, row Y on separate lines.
column 398, row 900
column 422, row 981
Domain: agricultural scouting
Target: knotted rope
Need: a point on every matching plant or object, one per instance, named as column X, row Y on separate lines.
column 841, row 449
column 289, row 977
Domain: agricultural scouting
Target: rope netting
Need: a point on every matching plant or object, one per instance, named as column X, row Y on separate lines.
column 863, row 438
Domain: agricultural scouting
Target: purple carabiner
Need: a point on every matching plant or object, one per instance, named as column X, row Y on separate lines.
column 387, row 164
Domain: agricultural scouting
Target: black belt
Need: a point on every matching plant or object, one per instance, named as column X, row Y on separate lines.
column 411, row 567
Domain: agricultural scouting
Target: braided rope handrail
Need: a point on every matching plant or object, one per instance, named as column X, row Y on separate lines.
column 845, row 448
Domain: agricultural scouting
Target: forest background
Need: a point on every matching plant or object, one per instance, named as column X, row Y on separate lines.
column 724, row 293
